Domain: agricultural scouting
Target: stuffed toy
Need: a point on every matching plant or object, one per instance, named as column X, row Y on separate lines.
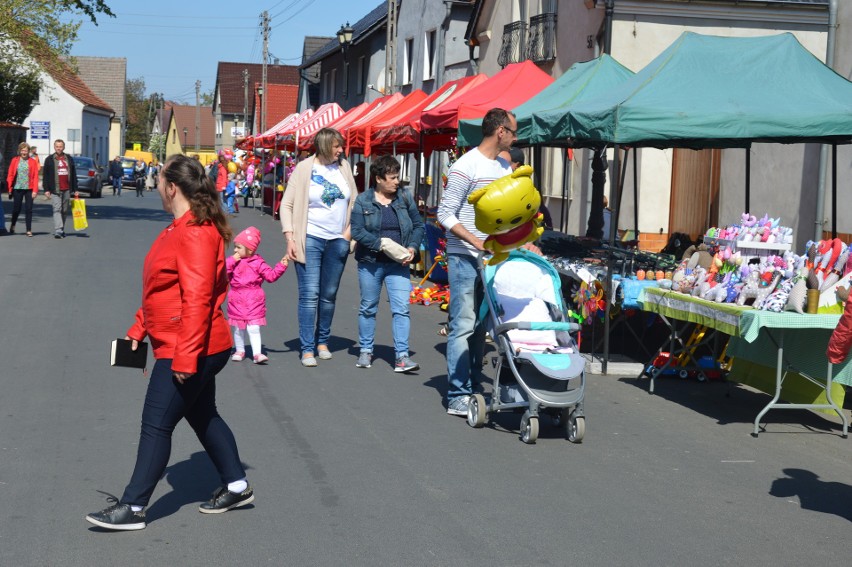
column 507, row 210
column 758, row 286
column 777, row 300
column 698, row 256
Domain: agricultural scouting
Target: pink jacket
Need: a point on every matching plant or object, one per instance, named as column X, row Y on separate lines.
column 246, row 300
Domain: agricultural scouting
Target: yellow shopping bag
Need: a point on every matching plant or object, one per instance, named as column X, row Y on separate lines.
column 78, row 210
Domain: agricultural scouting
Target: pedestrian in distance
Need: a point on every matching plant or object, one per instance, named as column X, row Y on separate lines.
column 315, row 217
column 116, row 173
column 22, row 180
column 231, row 194
column 184, row 283
column 247, row 271
column 466, row 334
column 140, row 172
column 388, row 230
column 151, row 178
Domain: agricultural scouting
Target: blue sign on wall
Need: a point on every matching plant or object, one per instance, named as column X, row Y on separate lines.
column 40, row 130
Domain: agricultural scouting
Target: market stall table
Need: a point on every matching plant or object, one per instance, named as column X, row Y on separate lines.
column 759, row 337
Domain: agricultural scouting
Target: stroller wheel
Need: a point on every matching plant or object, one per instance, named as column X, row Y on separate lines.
column 476, row 411
column 576, row 429
column 529, row 428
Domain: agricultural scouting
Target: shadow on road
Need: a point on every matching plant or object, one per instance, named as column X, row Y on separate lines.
column 192, row 481
column 814, row 494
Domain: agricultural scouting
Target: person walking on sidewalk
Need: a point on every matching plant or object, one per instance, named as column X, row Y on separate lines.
column 247, row 271
column 60, row 182
column 22, row 179
column 466, row 336
column 388, row 229
column 183, row 288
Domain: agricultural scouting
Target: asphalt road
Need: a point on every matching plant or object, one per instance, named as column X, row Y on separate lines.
column 363, row 467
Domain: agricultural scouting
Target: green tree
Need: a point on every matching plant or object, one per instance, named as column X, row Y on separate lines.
column 35, row 35
column 206, row 99
column 137, row 112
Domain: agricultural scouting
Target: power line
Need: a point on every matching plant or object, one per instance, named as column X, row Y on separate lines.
column 294, row 14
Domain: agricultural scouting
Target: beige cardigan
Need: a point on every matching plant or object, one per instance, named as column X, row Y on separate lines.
column 294, row 206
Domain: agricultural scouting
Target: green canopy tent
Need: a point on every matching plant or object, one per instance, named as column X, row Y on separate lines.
column 583, row 81
column 716, row 92
column 586, row 80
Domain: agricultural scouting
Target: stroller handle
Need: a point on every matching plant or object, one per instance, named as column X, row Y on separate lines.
column 538, row 326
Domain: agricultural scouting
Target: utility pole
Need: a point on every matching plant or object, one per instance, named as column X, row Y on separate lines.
column 245, row 102
column 197, row 114
column 265, row 21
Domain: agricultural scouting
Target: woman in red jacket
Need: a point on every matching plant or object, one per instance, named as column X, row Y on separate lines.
column 22, row 179
column 183, row 287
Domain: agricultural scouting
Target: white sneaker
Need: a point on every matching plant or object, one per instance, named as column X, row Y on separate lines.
column 239, row 356
column 458, row 406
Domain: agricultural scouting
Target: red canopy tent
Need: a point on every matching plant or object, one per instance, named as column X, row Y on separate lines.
column 509, row 88
column 248, row 142
column 375, row 109
column 359, row 135
column 347, row 118
column 400, row 133
column 324, row 115
column 268, row 138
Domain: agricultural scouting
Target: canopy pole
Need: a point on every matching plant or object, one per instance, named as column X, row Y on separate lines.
column 833, row 191
column 594, row 228
column 609, row 259
column 635, row 195
column 566, row 172
column 748, row 181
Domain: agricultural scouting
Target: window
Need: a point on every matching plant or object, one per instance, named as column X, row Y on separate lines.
column 542, row 38
column 512, row 48
column 362, row 75
column 408, row 62
column 219, row 126
column 429, row 47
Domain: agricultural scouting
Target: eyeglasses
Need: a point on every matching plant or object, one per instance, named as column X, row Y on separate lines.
column 513, row 132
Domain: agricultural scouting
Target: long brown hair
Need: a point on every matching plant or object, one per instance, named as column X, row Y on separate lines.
column 188, row 175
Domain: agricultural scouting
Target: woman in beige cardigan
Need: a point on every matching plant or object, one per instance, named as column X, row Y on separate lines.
column 315, row 218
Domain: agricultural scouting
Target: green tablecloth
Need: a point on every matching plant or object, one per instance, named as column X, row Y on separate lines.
column 752, row 332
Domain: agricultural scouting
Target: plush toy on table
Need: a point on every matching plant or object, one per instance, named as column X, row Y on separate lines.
column 507, row 210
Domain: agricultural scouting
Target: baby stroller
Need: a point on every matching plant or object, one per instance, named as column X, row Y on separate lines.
column 527, row 320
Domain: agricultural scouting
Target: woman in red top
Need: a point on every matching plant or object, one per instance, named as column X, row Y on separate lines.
column 183, row 287
column 22, row 179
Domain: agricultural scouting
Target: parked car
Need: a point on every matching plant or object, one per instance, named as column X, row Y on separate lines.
column 89, row 176
column 128, row 166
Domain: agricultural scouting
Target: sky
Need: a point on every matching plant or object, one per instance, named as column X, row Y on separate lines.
column 172, row 44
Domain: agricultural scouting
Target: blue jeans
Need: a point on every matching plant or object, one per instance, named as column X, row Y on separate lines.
column 466, row 334
column 319, row 278
column 166, row 403
column 396, row 278
column 116, row 185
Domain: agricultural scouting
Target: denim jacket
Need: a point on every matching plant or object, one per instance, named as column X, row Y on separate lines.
column 367, row 224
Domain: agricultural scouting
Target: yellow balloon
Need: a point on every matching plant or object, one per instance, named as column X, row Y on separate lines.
column 232, row 167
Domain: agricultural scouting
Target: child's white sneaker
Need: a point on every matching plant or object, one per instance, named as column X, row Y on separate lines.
column 239, row 356
column 261, row 359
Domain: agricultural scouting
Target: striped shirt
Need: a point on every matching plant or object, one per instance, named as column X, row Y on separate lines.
column 471, row 171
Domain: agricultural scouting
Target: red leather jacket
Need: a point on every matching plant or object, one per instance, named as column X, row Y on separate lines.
column 12, row 173
column 841, row 338
column 183, row 289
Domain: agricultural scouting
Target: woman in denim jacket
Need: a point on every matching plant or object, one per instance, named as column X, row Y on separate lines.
column 388, row 230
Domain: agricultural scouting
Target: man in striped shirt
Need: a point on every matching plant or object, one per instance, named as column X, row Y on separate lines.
column 466, row 337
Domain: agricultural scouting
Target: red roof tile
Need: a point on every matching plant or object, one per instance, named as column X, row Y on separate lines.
column 229, row 82
column 184, row 116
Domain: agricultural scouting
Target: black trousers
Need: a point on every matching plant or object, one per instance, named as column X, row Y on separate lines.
column 23, row 197
column 166, row 403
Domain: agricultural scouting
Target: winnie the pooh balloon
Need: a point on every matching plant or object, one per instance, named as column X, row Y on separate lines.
column 507, row 210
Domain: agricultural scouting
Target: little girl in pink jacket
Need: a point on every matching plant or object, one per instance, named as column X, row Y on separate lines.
column 246, row 301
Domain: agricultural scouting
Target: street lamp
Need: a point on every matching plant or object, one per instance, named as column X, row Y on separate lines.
column 344, row 37
column 185, row 132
